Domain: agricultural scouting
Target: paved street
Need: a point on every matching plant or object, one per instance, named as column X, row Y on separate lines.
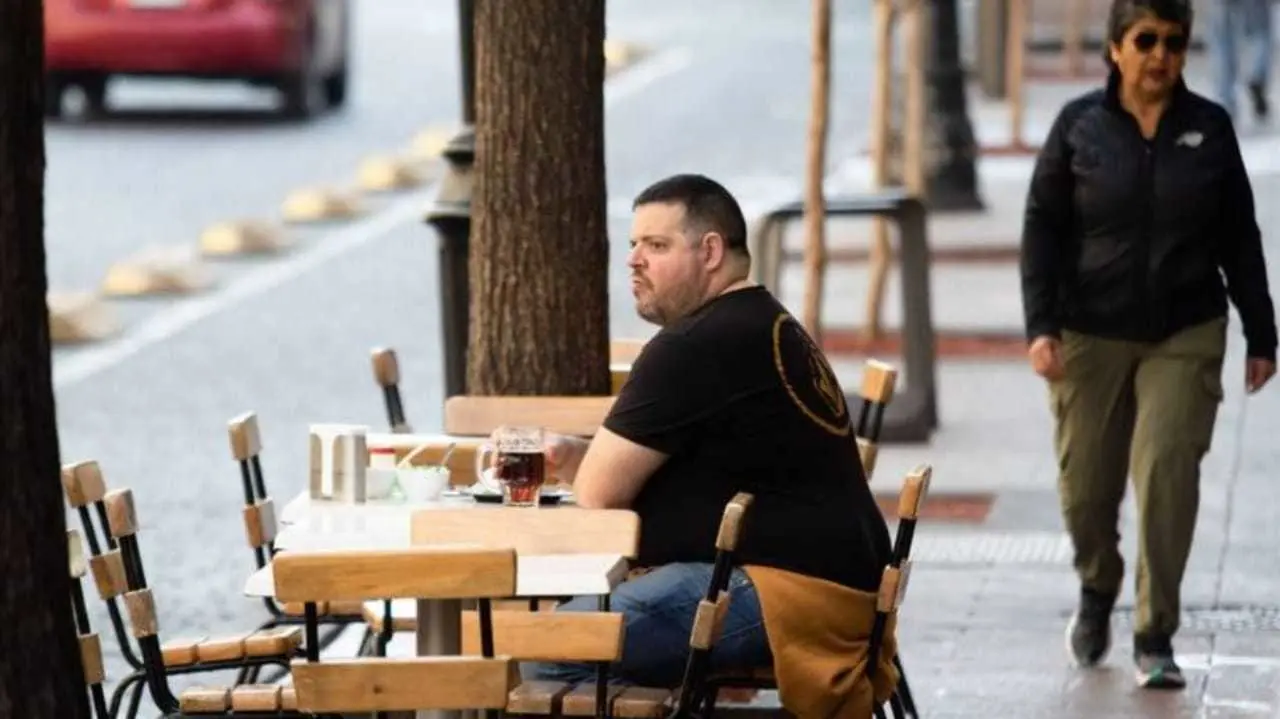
column 724, row 91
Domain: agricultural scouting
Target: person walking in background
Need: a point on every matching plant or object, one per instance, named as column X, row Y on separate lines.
column 1237, row 23
column 1139, row 206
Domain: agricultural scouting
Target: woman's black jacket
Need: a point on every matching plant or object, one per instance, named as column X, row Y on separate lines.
column 1130, row 238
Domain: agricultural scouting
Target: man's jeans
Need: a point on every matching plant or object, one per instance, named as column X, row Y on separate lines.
column 657, row 611
column 1234, row 23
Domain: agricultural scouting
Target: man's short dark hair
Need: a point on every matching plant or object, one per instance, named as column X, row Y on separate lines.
column 708, row 206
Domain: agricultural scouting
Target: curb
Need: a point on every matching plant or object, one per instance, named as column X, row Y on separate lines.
column 79, row 317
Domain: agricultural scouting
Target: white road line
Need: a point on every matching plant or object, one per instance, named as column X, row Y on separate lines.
column 170, row 322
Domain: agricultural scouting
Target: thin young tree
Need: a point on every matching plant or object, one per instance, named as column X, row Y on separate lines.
column 815, row 251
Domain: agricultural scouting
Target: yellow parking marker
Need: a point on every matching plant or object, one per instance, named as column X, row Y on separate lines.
column 244, row 237
column 157, row 271
column 429, row 144
column 78, row 317
column 620, row 55
column 385, row 174
column 319, row 204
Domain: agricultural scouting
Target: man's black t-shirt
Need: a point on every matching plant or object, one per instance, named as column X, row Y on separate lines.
column 741, row 399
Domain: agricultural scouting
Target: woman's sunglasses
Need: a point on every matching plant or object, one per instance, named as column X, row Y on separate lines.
column 1173, row 44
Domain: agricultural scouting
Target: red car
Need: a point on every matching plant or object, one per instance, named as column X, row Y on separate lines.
column 299, row 47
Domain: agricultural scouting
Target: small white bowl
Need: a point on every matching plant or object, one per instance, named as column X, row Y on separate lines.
column 423, row 484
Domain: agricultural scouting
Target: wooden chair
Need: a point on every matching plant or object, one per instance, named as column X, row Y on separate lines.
column 553, row 698
column 90, row 645
column 386, row 372
column 377, row 684
column 84, row 485
column 915, row 488
column 567, row 530
column 697, row 690
column 261, row 527
column 260, row 648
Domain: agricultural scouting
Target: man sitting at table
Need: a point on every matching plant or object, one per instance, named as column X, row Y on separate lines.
column 731, row 395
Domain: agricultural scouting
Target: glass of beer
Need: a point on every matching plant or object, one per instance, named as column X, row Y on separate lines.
column 519, row 465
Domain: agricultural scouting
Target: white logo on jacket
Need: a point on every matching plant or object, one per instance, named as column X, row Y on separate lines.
column 1191, row 139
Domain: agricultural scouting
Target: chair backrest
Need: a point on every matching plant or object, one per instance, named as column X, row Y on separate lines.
column 139, row 602
column 563, row 530
column 86, row 489
column 370, row 684
column 386, row 372
column 90, row 645
column 260, row 526
column 625, row 351
column 708, row 618
column 477, row 415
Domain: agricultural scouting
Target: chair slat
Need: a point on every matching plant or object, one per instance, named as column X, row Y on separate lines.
column 914, row 490
column 260, row 524
column 377, row 684
column 475, row 415
column 108, row 574
column 548, row 636
column 141, row 607
column 420, row 572
column 246, row 440
column 91, row 659
column 567, row 530
column 82, row 483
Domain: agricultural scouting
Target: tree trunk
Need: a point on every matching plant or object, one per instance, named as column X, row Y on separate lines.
column 539, row 247
column 815, row 252
column 40, row 674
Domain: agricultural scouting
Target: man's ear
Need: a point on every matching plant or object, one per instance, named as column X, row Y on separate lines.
column 714, row 249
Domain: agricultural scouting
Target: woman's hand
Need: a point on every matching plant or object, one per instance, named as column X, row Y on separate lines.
column 1257, row 372
column 563, row 454
column 1046, row 357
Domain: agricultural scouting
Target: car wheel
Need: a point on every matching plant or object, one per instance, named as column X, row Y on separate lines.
column 55, row 87
column 304, row 89
column 95, row 94
column 335, row 87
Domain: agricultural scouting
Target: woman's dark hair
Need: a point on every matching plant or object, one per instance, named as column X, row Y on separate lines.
column 1125, row 13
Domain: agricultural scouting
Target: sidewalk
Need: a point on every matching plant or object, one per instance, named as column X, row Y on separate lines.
column 983, row 623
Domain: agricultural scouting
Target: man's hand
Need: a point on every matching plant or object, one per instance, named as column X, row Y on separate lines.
column 1046, row 357
column 1257, row 372
column 563, row 454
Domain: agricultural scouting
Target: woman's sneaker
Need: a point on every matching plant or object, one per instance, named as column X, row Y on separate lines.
column 1089, row 631
column 1156, row 666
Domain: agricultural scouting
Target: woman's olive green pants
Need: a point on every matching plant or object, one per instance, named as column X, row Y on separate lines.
column 1147, row 411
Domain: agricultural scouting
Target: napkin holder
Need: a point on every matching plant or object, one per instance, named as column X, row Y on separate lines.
column 339, row 458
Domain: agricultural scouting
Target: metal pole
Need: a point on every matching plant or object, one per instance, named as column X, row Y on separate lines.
column 450, row 215
column 951, row 174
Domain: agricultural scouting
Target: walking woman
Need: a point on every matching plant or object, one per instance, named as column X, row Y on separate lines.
column 1139, row 207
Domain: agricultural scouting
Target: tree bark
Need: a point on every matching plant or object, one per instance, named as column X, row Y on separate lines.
column 539, row 247
column 40, row 674
column 815, row 212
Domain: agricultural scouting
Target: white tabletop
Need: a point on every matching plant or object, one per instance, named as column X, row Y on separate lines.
column 317, row 525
